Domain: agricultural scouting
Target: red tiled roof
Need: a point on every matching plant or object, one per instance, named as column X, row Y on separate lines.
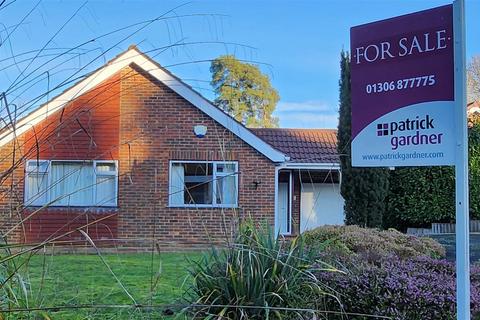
column 302, row 145
column 473, row 107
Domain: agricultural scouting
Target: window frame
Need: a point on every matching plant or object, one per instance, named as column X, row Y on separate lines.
column 48, row 201
column 114, row 173
column 35, row 201
column 214, row 184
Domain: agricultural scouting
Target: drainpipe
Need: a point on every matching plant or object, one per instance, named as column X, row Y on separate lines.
column 277, row 169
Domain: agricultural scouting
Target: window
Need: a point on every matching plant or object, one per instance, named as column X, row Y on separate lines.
column 71, row 183
column 36, row 182
column 106, row 183
column 203, row 184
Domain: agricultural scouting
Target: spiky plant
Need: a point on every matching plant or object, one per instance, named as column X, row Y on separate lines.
column 259, row 276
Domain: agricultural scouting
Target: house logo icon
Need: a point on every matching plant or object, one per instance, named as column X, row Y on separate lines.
column 382, row 129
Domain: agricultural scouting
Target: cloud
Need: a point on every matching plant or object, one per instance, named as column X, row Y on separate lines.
column 307, row 114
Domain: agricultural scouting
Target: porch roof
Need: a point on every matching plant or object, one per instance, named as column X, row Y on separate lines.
column 303, row 145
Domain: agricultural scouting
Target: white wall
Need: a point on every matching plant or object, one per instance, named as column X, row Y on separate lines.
column 320, row 204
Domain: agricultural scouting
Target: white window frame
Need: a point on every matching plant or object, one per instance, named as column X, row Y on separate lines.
column 215, row 176
column 113, row 202
column 93, row 163
column 35, row 201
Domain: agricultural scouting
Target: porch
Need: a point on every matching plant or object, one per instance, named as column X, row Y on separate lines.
column 306, row 197
column 307, row 185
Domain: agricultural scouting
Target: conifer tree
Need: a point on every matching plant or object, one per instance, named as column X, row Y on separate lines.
column 364, row 189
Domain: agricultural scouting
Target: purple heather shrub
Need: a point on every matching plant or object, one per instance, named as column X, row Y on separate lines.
column 417, row 288
column 373, row 243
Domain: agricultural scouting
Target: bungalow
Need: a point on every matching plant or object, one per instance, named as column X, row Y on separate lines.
column 131, row 153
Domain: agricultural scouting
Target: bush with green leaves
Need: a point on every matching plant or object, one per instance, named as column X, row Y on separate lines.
column 257, row 277
column 373, row 243
column 474, row 165
column 419, row 196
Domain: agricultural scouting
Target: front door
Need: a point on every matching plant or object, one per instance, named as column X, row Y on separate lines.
column 283, row 212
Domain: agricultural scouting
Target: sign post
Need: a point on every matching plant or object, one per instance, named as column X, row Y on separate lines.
column 462, row 231
column 408, row 84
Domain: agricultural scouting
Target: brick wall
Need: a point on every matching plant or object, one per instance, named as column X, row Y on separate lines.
column 156, row 127
column 61, row 224
column 86, row 129
column 11, row 191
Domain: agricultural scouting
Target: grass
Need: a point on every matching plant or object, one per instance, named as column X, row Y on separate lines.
column 86, row 280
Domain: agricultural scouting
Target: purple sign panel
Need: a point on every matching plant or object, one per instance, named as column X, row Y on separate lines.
column 402, row 90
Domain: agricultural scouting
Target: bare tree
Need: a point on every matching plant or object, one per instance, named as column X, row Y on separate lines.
column 28, row 79
column 473, row 79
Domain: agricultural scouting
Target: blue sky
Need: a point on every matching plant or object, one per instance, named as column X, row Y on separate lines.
column 297, row 43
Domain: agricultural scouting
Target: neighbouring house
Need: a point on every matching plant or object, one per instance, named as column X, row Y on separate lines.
column 473, row 112
column 473, row 108
column 131, row 153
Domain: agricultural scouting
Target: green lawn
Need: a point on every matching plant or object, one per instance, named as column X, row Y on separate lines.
column 85, row 279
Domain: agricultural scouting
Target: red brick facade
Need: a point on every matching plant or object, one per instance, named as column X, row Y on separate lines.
column 144, row 125
column 11, row 192
column 156, row 127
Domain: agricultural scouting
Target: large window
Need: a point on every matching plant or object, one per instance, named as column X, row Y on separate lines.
column 71, row 183
column 203, row 184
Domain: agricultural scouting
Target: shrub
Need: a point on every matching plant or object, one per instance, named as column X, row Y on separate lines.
column 419, row 196
column 415, row 289
column 253, row 278
column 474, row 165
column 371, row 243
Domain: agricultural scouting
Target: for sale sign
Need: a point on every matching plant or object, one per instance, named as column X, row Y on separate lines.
column 403, row 90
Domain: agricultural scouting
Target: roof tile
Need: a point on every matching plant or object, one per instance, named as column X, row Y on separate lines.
column 302, row 145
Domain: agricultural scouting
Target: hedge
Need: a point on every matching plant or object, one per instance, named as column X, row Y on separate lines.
column 419, row 196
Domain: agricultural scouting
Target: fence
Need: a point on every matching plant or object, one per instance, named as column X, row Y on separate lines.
column 442, row 228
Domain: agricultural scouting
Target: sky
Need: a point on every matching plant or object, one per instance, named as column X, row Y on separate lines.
column 296, row 43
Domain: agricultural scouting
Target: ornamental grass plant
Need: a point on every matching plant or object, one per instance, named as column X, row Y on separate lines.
column 258, row 276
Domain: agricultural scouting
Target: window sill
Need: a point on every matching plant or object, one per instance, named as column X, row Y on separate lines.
column 199, row 206
column 286, row 235
column 71, row 207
